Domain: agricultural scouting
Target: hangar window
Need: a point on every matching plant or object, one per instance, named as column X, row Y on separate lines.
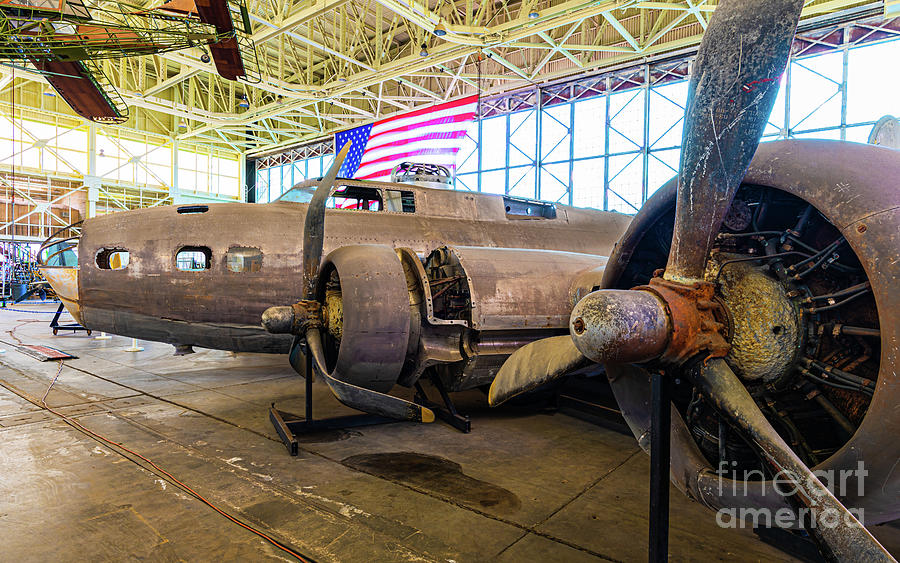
column 399, row 201
column 243, row 259
column 193, row 258
column 112, row 259
column 356, row 197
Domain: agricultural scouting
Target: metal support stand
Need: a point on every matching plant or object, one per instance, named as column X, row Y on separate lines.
column 54, row 324
column 446, row 412
column 660, row 427
column 289, row 426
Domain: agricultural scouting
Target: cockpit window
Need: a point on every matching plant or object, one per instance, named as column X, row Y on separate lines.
column 399, row 201
column 356, row 197
column 112, row 259
column 63, row 254
column 193, row 258
column 243, row 259
column 297, row 194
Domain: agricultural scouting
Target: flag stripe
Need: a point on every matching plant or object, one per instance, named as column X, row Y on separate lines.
column 441, row 125
column 429, row 135
column 460, row 102
column 381, row 128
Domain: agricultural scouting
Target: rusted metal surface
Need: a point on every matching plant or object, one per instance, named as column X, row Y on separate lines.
column 218, row 308
column 850, row 184
column 694, row 327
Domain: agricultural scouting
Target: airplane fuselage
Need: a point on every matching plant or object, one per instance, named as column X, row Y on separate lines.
column 216, row 307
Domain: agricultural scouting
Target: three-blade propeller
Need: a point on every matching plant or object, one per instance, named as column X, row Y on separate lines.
column 313, row 246
column 732, row 90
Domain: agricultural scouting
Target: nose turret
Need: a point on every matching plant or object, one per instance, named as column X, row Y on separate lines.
column 58, row 262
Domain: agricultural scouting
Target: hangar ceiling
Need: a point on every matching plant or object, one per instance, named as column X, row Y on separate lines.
column 326, row 65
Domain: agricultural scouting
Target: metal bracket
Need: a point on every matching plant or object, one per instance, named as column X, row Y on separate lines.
column 446, row 412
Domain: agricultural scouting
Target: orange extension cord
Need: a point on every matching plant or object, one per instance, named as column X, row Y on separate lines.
column 196, row 495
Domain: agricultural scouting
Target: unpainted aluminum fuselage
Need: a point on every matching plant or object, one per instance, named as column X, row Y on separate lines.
column 218, row 308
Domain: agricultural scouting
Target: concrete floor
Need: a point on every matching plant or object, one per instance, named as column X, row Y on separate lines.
column 543, row 487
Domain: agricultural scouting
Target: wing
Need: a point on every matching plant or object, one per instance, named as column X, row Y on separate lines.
column 85, row 89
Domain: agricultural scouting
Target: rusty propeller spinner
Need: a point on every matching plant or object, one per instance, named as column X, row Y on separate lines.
column 304, row 318
column 675, row 324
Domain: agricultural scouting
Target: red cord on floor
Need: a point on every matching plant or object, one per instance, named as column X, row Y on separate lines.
column 196, row 495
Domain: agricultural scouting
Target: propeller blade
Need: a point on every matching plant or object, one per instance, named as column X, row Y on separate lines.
column 732, row 90
column 314, row 226
column 361, row 398
column 533, row 365
column 847, row 539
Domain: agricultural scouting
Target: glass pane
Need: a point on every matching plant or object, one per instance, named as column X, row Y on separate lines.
column 521, row 182
column 468, row 182
column 662, row 166
column 625, row 181
column 493, row 143
column 193, row 259
column 522, row 140
column 587, row 183
column 871, row 87
column 555, row 130
column 112, row 259
column 667, row 114
column 399, row 201
column 590, row 138
column 555, row 182
column 467, row 157
column 494, row 182
column 626, row 121
column 815, row 92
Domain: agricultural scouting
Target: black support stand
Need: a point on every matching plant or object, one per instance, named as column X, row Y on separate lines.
column 289, row 426
column 54, row 324
column 447, row 412
column 660, row 427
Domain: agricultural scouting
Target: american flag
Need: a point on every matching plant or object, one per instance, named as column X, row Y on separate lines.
column 430, row 135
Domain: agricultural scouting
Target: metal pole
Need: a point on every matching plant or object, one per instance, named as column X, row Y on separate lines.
column 309, row 389
column 660, row 418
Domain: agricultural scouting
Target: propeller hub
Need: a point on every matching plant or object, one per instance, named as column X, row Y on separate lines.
column 667, row 321
column 620, row 326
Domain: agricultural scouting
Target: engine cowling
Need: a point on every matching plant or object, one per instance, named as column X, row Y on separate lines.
column 826, row 372
column 389, row 316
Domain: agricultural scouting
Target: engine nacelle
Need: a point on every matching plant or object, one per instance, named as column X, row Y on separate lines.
column 389, row 316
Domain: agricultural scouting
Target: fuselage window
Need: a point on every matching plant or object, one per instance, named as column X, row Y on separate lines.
column 399, row 201
column 243, row 259
column 193, row 258
column 112, row 259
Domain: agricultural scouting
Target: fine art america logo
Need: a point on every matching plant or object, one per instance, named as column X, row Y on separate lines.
column 753, row 483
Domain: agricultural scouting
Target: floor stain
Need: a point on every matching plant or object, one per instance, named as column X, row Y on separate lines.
column 438, row 475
